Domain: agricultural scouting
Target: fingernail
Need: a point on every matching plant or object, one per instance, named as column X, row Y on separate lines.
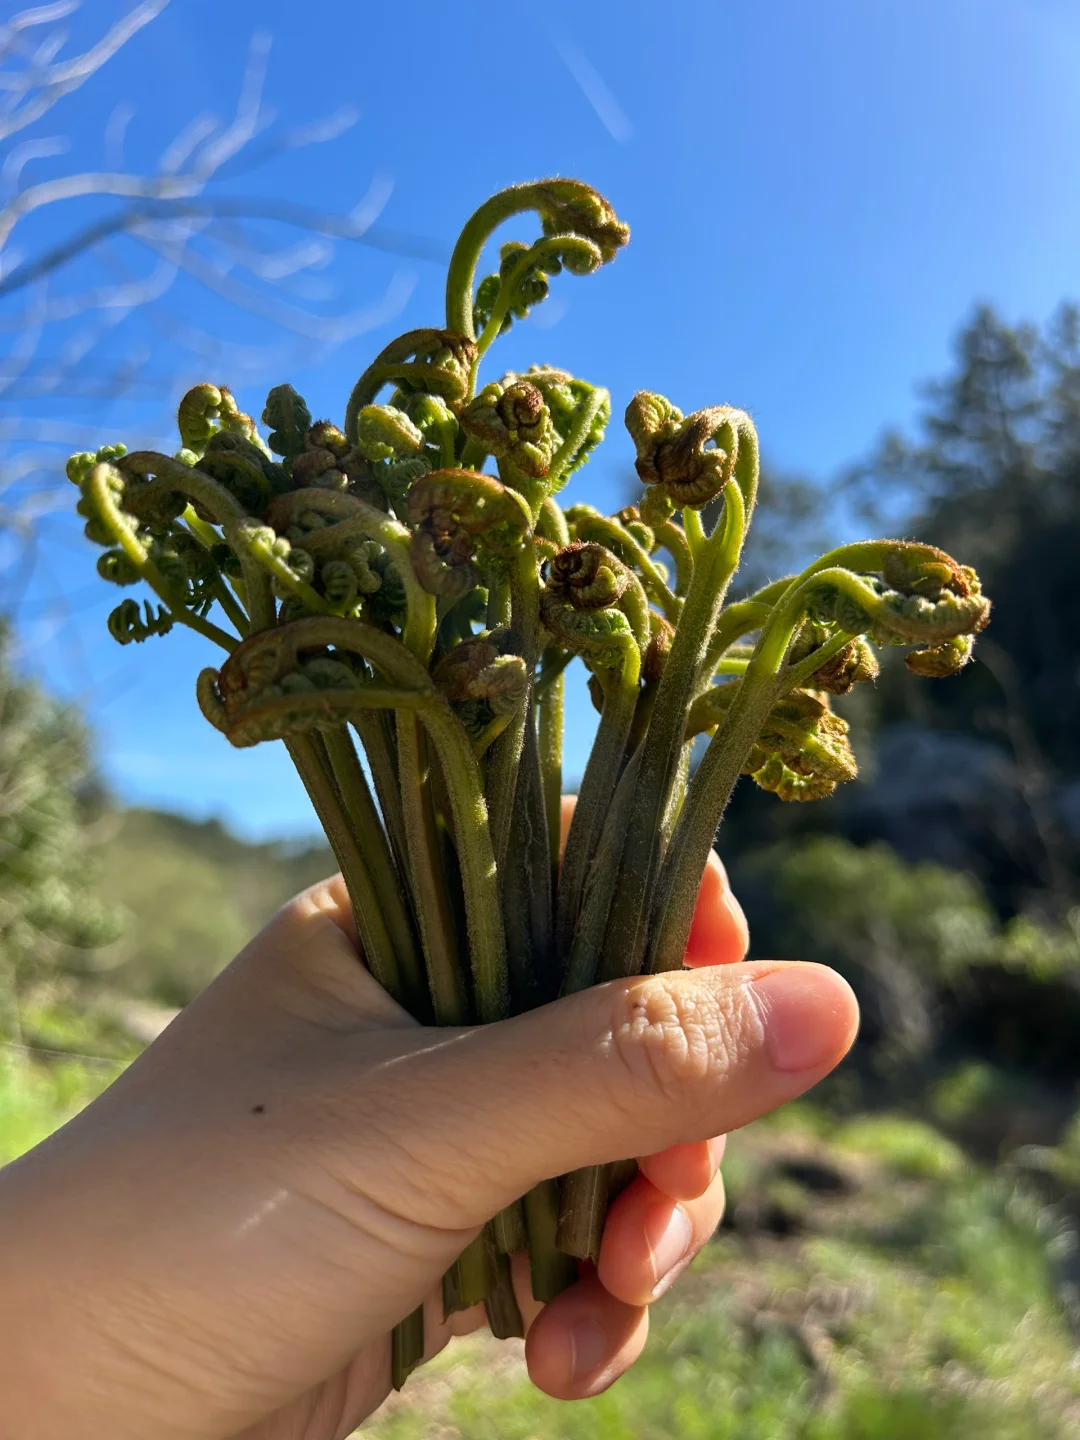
column 588, row 1347
column 668, row 1234
column 716, row 1149
column 807, row 1014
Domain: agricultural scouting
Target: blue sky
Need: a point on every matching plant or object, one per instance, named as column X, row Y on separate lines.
column 818, row 193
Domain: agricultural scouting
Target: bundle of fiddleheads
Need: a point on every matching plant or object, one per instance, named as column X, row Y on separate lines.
column 373, row 582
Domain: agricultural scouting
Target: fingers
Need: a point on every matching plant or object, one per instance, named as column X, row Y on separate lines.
column 566, row 814
column 719, row 934
column 649, row 1238
column 628, row 1067
column 684, row 1171
column 584, row 1340
column 307, row 962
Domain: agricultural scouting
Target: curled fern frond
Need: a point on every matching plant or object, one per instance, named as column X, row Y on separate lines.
column 580, row 605
column 511, row 419
column 437, row 362
column 691, row 458
column 802, row 751
column 938, row 662
column 461, row 518
column 128, row 624
column 304, row 674
column 207, row 410
column 289, row 419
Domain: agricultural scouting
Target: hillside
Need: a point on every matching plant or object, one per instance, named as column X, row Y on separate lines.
column 195, row 894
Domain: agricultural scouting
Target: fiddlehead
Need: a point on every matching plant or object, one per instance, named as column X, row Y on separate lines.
column 841, row 669
column 127, row 623
column 243, row 469
column 579, row 605
column 938, row 662
column 631, row 543
column 915, row 595
column 522, row 281
column 511, row 419
column 299, row 676
column 565, row 207
column 463, row 522
column 485, row 686
column 928, row 609
column 579, row 412
column 288, row 418
column 174, row 566
column 686, row 461
column 340, row 527
column 802, row 751
column 209, row 410
column 437, row 362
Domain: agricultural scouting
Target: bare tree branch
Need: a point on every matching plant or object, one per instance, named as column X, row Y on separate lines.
column 53, row 82
column 105, row 313
column 319, row 222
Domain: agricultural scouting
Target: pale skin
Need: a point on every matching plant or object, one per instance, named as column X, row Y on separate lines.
column 221, row 1244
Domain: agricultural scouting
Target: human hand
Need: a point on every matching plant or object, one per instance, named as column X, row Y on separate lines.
column 221, row 1244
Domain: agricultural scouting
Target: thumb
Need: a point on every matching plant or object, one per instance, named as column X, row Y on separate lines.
column 623, row 1069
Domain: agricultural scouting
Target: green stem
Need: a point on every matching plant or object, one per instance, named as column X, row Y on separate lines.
column 367, row 830
column 673, row 540
column 501, row 1307
column 588, row 943
column 508, row 1228
column 429, row 888
column 676, row 890
column 378, row 948
column 551, row 1272
column 461, row 274
column 207, row 537
column 123, row 533
column 498, row 606
column 407, row 1347
column 473, row 454
column 594, row 796
column 551, row 522
column 583, row 1196
column 476, row 1272
column 695, row 533
column 479, row 874
column 501, row 785
column 528, row 261
column 625, row 943
column 550, row 704
column 735, row 622
column 551, row 671
column 526, row 887
column 461, row 773
column 582, row 423
column 375, row 729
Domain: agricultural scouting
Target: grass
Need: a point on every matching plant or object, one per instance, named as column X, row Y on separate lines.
column 36, row 1098
column 873, row 1284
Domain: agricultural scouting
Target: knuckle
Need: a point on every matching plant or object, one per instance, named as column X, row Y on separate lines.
column 679, row 1038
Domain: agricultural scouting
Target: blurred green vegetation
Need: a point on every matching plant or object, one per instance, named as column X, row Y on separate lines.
column 195, row 895
column 871, row 1283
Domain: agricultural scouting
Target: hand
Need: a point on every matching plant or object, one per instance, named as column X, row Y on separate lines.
column 221, row 1244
